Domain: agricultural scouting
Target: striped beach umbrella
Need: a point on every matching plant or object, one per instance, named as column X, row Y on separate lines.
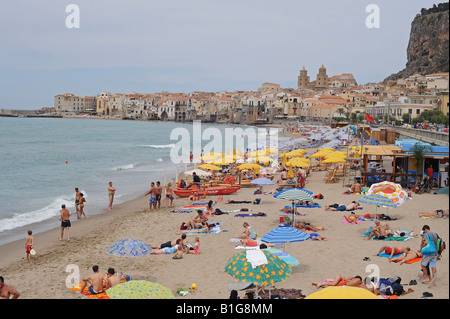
column 295, row 194
column 129, row 248
column 139, row 289
column 379, row 200
column 390, row 190
column 284, row 234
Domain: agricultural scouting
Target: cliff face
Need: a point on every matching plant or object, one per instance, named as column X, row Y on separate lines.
column 428, row 48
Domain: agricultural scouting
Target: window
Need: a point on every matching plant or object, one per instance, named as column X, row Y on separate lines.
column 410, row 111
column 418, row 111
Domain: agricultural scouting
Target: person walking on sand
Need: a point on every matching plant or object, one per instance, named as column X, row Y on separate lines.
column 7, row 291
column 29, row 243
column 169, row 195
column 152, row 192
column 428, row 260
column 65, row 221
column 81, row 203
column 93, row 282
column 111, row 192
column 77, row 201
column 158, row 194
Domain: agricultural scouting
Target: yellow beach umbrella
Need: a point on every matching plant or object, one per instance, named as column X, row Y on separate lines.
column 249, row 166
column 343, row 292
column 271, row 150
column 262, row 159
column 334, row 160
column 207, row 157
column 210, row 166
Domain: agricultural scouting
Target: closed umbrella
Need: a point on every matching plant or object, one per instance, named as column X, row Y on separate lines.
column 129, row 248
column 139, row 289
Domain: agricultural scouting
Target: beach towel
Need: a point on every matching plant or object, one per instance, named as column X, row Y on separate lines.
column 305, row 206
column 256, row 257
column 251, row 215
column 216, row 229
column 103, row 295
column 393, row 238
column 358, row 221
column 396, row 256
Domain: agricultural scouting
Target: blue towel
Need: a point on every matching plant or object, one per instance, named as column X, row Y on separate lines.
column 387, row 256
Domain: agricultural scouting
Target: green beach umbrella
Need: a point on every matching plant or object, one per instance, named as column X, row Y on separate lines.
column 276, row 270
column 139, row 289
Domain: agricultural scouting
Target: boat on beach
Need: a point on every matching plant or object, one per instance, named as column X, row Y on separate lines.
column 212, row 190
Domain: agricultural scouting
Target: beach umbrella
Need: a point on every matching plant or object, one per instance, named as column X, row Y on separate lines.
column 390, row 190
column 288, row 259
column 249, row 166
column 139, row 289
column 275, row 270
column 294, row 194
column 262, row 181
column 334, row 160
column 210, row 166
column 379, row 200
column 342, row 292
column 285, row 234
column 129, row 248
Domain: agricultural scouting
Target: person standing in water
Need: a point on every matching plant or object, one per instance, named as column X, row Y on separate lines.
column 111, row 192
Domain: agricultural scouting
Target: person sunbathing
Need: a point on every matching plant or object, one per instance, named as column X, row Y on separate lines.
column 335, row 207
column 407, row 256
column 205, row 229
column 308, row 226
column 340, row 281
column 380, row 231
column 315, row 236
column 354, row 189
column 198, row 221
column 438, row 213
column 392, row 251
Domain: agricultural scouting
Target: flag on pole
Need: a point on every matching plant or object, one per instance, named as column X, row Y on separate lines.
column 369, row 118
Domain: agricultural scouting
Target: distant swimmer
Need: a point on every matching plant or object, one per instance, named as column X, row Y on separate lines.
column 111, row 192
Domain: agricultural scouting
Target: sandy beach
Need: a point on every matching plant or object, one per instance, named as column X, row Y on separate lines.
column 44, row 277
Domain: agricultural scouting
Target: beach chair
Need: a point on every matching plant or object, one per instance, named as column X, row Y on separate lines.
column 332, row 178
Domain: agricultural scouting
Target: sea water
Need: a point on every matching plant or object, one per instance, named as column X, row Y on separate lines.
column 42, row 160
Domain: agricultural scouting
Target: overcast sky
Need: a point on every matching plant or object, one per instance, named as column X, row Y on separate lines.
column 147, row 46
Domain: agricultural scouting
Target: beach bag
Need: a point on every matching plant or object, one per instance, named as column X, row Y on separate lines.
column 430, row 248
column 397, row 289
column 395, row 279
column 257, row 201
column 183, row 226
column 218, row 212
column 441, row 245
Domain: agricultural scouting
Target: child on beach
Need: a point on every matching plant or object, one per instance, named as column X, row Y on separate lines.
column 196, row 246
column 81, row 205
column 179, row 253
column 29, row 242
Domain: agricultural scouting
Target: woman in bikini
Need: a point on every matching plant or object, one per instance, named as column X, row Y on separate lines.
column 407, row 256
column 392, row 251
column 81, row 205
column 340, row 281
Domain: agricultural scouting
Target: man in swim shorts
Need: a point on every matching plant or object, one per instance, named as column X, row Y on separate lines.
column 393, row 251
column 153, row 192
column 65, row 221
column 111, row 192
column 93, row 282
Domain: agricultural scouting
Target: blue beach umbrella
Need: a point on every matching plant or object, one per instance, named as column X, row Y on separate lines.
column 284, row 234
column 262, row 181
column 129, row 248
column 378, row 200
